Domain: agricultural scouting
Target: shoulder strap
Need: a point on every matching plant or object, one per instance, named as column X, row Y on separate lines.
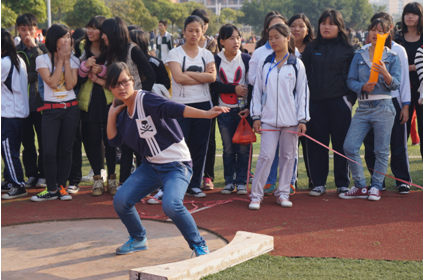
column 245, row 59
column 204, row 63
column 217, row 60
column 183, row 64
column 296, row 75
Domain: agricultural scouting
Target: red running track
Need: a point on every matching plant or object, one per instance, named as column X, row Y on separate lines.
column 326, row 226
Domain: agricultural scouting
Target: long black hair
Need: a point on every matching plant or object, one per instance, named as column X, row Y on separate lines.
column 119, row 41
column 54, row 33
column 385, row 28
column 284, row 30
column 226, row 32
column 265, row 33
column 336, row 19
column 413, row 8
column 94, row 22
column 310, row 33
column 141, row 39
column 8, row 48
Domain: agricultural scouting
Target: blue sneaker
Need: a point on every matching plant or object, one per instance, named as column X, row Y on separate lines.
column 200, row 250
column 269, row 189
column 133, row 245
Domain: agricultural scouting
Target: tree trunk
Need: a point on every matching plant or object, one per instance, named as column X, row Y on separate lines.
column 172, row 27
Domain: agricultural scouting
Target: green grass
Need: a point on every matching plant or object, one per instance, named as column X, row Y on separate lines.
column 274, row 267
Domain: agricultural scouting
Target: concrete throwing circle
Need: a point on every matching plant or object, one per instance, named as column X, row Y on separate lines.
column 86, row 249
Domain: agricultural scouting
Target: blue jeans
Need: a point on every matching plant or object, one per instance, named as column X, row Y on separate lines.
column 379, row 115
column 235, row 156
column 174, row 178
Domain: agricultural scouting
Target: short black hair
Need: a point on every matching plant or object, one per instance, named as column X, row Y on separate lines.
column 413, row 8
column 202, row 14
column 26, row 19
column 134, row 27
column 383, row 15
column 163, row 21
column 113, row 73
column 192, row 19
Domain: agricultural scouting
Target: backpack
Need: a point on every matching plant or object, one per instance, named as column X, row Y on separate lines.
column 232, row 98
column 269, row 60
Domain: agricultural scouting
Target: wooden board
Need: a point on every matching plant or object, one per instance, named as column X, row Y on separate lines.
column 244, row 246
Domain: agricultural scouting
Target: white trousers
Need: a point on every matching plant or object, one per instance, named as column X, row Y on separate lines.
column 288, row 146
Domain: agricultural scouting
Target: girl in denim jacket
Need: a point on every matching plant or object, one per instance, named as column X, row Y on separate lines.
column 375, row 110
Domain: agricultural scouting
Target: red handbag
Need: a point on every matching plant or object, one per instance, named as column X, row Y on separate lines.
column 244, row 134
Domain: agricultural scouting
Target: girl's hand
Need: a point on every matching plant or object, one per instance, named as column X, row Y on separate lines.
column 368, row 87
column 93, row 77
column 65, row 51
column 210, row 69
column 302, row 128
column 90, row 62
column 244, row 113
column 381, row 69
column 404, row 114
column 96, row 69
column 241, row 90
column 257, row 126
column 216, row 111
column 116, row 109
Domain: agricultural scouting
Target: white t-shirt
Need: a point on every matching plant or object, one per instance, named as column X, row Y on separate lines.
column 186, row 94
column 60, row 94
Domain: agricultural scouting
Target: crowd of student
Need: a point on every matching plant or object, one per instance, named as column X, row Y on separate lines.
column 57, row 90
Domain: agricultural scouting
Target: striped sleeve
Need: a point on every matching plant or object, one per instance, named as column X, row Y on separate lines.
column 418, row 61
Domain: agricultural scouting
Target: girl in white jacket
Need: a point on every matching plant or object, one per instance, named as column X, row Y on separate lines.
column 14, row 108
column 280, row 104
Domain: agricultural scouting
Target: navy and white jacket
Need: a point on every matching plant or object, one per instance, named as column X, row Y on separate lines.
column 152, row 130
column 285, row 102
column 14, row 89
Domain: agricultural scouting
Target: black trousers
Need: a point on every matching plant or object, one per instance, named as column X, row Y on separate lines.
column 197, row 134
column 33, row 161
column 75, row 174
column 419, row 114
column 126, row 162
column 330, row 121
column 97, row 147
column 211, row 152
column 11, row 139
column 399, row 153
column 59, row 127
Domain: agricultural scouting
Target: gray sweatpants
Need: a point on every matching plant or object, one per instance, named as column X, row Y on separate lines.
column 288, row 146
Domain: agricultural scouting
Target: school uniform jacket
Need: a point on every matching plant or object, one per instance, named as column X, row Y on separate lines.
column 152, row 130
column 285, row 102
column 14, row 89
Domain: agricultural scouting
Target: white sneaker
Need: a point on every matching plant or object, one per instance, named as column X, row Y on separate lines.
column 284, row 202
column 89, row 177
column 254, row 204
column 228, row 189
column 157, row 198
column 73, row 189
column 103, row 174
column 41, row 183
column 241, row 189
column 318, row 191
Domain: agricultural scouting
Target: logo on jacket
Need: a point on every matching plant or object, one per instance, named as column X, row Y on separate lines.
column 146, row 128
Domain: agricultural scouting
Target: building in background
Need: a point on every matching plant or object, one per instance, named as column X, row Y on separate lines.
column 394, row 7
column 211, row 4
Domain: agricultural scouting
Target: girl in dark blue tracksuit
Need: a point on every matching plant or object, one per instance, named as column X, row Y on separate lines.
column 327, row 61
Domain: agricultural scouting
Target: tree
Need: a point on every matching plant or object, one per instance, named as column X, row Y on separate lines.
column 37, row 7
column 230, row 15
column 83, row 10
column 61, row 6
column 379, row 8
column 174, row 13
column 134, row 12
column 362, row 12
column 8, row 17
column 256, row 10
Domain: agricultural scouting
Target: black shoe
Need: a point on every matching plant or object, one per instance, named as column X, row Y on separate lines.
column 5, row 186
column 403, row 189
column 15, row 193
column 32, row 181
column 45, row 195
